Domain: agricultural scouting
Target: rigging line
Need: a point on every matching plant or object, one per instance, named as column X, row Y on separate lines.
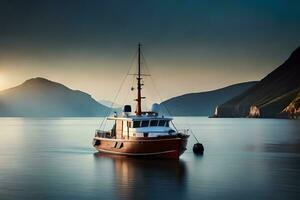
column 117, row 94
column 157, row 91
column 123, row 81
column 127, row 95
column 121, row 86
column 154, row 85
column 151, row 90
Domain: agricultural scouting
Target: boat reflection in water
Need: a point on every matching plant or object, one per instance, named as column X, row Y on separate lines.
column 147, row 178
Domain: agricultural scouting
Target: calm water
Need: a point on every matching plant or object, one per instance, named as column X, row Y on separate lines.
column 244, row 159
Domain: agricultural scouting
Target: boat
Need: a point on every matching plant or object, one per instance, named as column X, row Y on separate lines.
column 142, row 134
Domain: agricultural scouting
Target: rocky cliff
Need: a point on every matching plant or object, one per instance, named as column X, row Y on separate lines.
column 271, row 96
column 292, row 111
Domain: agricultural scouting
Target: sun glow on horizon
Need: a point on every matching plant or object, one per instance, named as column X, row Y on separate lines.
column 3, row 82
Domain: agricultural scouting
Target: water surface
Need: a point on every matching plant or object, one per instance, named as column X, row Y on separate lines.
column 52, row 158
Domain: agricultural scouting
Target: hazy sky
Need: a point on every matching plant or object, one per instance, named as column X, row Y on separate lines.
column 189, row 45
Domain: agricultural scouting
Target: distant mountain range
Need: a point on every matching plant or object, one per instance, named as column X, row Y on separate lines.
column 109, row 104
column 39, row 97
column 276, row 95
column 202, row 103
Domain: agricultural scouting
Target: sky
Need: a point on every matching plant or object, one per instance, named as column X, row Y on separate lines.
column 189, row 45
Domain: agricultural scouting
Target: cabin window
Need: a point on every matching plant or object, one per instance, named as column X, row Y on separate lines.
column 167, row 123
column 145, row 123
column 136, row 124
column 153, row 122
column 161, row 122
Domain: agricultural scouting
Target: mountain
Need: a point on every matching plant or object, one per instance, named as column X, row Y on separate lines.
column 270, row 97
column 108, row 103
column 39, row 97
column 202, row 103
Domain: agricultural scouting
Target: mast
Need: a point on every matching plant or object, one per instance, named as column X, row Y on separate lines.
column 139, row 85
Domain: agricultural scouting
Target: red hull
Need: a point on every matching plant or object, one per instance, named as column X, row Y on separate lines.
column 168, row 147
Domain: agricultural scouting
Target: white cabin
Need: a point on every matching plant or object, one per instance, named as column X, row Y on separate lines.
column 141, row 126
